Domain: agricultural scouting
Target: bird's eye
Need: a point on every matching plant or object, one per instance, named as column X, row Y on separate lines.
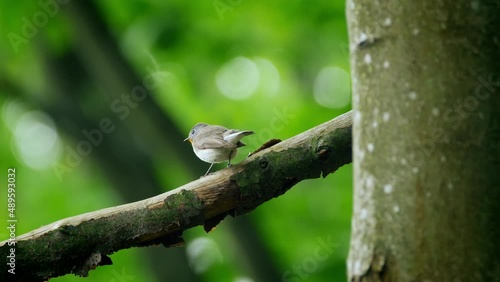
column 192, row 131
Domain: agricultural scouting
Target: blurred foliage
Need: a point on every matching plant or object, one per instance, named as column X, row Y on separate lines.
column 242, row 64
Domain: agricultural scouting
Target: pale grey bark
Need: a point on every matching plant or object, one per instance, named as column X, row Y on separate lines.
column 426, row 140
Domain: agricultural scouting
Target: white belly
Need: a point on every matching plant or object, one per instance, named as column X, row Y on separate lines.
column 215, row 155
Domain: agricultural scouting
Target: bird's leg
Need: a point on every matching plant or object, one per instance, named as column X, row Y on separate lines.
column 229, row 160
column 209, row 169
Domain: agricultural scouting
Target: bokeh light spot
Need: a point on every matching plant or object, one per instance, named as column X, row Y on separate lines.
column 332, row 88
column 36, row 141
column 270, row 80
column 238, row 79
column 203, row 253
column 12, row 110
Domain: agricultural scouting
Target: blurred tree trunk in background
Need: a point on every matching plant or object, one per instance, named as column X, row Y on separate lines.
column 426, row 134
column 96, row 62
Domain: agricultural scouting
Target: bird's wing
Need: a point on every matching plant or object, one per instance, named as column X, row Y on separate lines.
column 211, row 138
column 216, row 143
column 234, row 136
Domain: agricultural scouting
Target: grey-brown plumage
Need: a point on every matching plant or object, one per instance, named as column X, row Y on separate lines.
column 215, row 143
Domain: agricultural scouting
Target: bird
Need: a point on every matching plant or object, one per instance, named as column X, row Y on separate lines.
column 215, row 143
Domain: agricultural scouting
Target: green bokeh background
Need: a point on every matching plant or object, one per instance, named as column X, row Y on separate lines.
column 284, row 46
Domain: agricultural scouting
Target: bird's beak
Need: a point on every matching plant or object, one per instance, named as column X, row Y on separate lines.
column 187, row 139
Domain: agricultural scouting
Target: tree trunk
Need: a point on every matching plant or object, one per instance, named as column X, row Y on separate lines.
column 426, row 140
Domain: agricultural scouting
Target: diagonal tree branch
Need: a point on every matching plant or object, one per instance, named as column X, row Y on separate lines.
column 79, row 244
